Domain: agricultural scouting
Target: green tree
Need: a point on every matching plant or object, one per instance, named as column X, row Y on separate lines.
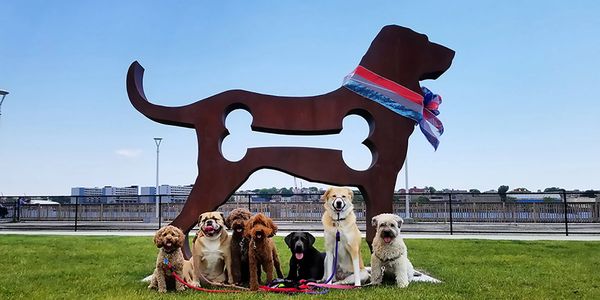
column 422, row 199
column 589, row 194
column 475, row 191
column 285, row 192
column 502, row 192
column 430, row 189
column 553, row 189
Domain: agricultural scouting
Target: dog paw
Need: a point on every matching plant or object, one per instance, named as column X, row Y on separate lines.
column 162, row 290
column 402, row 284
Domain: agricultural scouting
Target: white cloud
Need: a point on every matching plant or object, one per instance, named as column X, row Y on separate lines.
column 129, row 153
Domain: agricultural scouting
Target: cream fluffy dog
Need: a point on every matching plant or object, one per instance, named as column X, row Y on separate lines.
column 169, row 239
column 390, row 256
column 211, row 255
column 339, row 216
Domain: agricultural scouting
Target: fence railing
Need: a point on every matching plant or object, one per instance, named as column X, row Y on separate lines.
column 444, row 208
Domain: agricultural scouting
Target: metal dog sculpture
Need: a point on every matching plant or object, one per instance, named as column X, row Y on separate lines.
column 397, row 53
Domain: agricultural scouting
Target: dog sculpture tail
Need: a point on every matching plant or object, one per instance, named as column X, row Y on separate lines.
column 177, row 116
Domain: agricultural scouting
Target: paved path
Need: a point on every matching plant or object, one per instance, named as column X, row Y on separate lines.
column 579, row 232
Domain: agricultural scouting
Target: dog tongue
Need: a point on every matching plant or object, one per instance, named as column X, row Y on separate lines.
column 299, row 256
column 209, row 228
column 387, row 239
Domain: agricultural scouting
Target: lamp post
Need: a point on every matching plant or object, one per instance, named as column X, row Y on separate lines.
column 3, row 94
column 157, row 141
column 407, row 199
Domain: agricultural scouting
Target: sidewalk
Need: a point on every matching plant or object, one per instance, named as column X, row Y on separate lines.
column 578, row 232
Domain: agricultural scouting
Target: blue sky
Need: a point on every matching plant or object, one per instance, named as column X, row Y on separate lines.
column 520, row 106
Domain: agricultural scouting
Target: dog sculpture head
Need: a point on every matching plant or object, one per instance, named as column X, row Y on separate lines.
column 211, row 223
column 387, row 226
column 169, row 238
column 236, row 220
column 338, row 200
column 406, row 54
column 260, row 227
column 299, row 242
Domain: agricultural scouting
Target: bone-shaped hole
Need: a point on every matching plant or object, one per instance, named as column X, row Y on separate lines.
column 241, row 137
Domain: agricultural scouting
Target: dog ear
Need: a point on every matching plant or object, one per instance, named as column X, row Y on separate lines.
column 399, row 220
column 374, row 221
column 288, row 239
column 351, row 194
column 228, row 220
column 224, row 222
column 271, row 225
column 311, row 238
column 248, row 224
column 181, row 235
column 158, row 238
column 326, row 195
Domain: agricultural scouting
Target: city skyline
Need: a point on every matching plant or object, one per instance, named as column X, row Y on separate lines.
column 519, row 107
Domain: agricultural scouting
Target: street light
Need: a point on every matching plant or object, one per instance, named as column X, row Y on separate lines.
column 3, row 94
column 407, row 199
column 157, row 141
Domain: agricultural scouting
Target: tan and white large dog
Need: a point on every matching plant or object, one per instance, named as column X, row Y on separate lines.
column 339, row 216
column 211, row 253
column 390, row 256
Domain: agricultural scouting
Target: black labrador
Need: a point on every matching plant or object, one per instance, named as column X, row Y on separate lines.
column 306, row 261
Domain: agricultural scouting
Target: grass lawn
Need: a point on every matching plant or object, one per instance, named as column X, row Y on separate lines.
column 69, row 267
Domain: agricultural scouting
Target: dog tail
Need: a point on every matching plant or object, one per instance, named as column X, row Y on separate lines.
column 177, row 116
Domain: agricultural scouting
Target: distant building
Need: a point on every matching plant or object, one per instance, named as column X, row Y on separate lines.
column 174, row 193
column 121, row 194
column 167, row 193
column 85, row 195
column 147, row 194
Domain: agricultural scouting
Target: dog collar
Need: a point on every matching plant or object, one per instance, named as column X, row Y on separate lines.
column 399, row 99
column 389, row 259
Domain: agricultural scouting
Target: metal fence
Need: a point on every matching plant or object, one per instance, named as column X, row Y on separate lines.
column 558, row 212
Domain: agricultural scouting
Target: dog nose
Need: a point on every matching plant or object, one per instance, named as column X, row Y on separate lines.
column 339, row 203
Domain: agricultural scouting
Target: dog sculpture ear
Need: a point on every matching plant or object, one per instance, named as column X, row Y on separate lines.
column 158, row 238
column 288, row 239
column 374, row 221
column 311, row 238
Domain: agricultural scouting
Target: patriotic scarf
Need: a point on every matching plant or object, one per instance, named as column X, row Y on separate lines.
column 401, row 100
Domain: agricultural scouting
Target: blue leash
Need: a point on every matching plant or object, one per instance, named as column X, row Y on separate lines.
column 335, row 255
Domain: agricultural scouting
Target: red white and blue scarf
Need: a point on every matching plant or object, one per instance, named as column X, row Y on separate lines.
column 399, row 99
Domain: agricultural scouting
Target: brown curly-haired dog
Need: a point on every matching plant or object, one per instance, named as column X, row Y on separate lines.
column 261, row 250
column 239, row 245
column 170, row 240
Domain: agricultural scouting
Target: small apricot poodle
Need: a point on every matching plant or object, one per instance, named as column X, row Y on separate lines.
column 169, row 240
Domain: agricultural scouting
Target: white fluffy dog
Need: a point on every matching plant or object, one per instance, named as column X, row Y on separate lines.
column 390, row 256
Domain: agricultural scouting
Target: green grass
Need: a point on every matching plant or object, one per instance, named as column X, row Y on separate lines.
column 65, row 267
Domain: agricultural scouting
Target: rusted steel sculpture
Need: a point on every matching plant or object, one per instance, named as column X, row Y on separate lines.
column 397, row 53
